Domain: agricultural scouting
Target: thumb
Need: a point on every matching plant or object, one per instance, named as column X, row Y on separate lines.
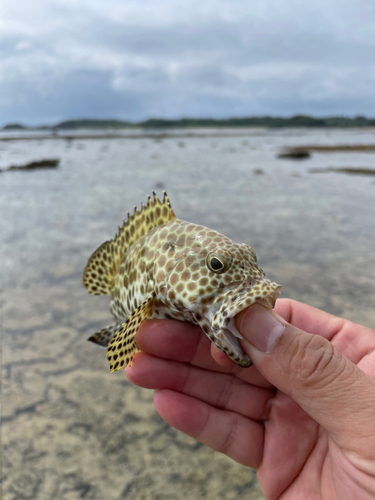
column 307, row 367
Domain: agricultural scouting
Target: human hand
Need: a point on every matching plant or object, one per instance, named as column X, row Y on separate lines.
column 303, row 415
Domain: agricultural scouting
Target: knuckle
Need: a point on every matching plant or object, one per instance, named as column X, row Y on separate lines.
column 225, row 392
column 230, row 438
column 313, row 362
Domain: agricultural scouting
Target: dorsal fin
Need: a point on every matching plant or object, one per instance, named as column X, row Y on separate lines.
column 104, row 262
column 154, row 214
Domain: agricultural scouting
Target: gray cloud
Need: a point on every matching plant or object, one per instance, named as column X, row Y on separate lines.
column 128, row 59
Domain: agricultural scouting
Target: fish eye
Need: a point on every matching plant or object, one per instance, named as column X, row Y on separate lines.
column 216, row 264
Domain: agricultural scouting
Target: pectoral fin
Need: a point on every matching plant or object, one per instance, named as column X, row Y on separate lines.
column 122, row 347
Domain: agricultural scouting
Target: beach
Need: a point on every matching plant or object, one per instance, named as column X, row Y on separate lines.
column 70, row 428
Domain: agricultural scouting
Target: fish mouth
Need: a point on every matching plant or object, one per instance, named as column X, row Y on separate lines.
column 239, row 296
column 267, row 301
column 222, row 315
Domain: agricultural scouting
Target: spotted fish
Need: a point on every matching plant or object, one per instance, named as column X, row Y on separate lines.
column 158, row 266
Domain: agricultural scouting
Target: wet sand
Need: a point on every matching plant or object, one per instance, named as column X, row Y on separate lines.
column 70, row 428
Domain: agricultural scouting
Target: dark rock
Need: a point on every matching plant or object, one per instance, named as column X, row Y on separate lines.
column 295, row 153
column 344, row 170
column 51, row 163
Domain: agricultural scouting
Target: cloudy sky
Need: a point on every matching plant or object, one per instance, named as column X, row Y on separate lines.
column 134, row 59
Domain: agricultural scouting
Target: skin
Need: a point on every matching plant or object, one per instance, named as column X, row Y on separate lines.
column 303, row 416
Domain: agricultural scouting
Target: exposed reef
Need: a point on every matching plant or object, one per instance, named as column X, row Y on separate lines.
column 34, row 165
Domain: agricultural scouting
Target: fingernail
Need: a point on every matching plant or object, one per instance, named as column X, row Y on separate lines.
column 260, row 328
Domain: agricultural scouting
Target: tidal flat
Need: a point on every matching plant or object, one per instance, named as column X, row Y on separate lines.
column 70, row 428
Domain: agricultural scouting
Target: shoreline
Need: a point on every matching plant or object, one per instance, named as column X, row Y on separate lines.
column 199, row 133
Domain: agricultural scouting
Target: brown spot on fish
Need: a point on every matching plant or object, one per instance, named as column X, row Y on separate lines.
column 160, row 276
column 185, row 276
column 162, row 260
column 169, row 265
column 190, row 260
column 174, row 278
column 181, row 241
column 180, row 267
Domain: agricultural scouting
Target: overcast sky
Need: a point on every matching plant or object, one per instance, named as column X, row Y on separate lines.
column 134, row 59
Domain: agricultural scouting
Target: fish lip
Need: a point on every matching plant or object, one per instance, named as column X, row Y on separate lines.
column 268, row 301
column 215, row 315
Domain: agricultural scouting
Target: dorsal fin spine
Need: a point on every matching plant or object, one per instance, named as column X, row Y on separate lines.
column 136, row 226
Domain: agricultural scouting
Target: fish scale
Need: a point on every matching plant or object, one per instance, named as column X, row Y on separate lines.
column 158, row 266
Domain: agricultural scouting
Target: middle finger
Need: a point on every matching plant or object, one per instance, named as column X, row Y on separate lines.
column 221, row 390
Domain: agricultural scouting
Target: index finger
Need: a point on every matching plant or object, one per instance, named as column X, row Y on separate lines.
column 186, row 343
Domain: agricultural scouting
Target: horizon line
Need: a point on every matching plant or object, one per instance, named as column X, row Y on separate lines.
column 154, row 120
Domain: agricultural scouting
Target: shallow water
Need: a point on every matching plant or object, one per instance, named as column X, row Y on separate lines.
column 70, row 428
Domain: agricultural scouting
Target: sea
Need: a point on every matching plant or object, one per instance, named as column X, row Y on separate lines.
column 72, row 430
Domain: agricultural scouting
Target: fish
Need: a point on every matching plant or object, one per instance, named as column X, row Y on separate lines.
column 158, row 266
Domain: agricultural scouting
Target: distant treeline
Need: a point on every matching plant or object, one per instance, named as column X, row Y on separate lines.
column 263, row 121
column 255, row 121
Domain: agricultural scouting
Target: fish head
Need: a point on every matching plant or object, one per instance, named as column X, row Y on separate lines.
column 214, row 279
column 245, row 284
